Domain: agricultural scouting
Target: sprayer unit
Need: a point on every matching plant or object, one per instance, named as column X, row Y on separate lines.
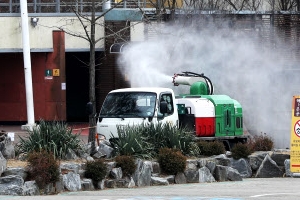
column 200, row 84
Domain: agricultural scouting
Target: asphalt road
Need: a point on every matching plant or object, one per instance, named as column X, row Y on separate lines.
column 253, row 188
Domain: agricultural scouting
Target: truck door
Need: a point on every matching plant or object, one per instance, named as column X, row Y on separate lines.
column 171, row 115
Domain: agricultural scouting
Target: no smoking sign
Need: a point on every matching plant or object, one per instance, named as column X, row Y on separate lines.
column 297, row 128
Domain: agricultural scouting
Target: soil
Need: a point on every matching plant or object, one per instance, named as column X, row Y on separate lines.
column 18, row 163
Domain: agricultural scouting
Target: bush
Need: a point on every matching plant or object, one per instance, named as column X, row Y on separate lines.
column 168, row 135
column 144, row 141
column 131, row 142
column 95, row 170
column 127, row 163
column 55, row 137
column 211, row 148
column 262, row 143
column 43, row 168
column 240, row 150
column 171, row 161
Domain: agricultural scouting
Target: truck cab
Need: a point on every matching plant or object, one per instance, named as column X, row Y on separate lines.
column 135, row 106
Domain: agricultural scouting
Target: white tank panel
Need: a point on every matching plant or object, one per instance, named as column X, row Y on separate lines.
column 200, row 107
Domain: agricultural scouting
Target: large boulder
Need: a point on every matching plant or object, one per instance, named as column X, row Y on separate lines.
column 11, row 185
column 205, row 176
column 6, row 146
column 268, row 169
column 243, row 167
column 142, row 174
column 3, row 163
column 72, row 181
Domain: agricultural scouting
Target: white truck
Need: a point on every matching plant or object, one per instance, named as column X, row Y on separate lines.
column 210, row 116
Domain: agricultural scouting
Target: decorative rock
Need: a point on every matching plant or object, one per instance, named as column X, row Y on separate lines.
column 3, row 163
column 242, row 166
column 233, row 174
column 159, row 181
column 180, row 178
column 15, row 171
column 192, row 164
column 220, row 173
column 116, row 173
column 105, row 150
column 71, row 155
column 59, row 185
column 205, row 176
column 6, row 146
column 131, row 183
column 30, row 188
column 211, row 165
column 170, row 179
column 222, row 160
column 72, row 181
column 192, row 176
column 279, row 158
column 100, row 184
column 87, row 184
column 256, row 158
column 268, row 169
column 70, row 167
column 49, row 189
column 9, row 150
column 110, row 183
column 11, row 185
column 142, row 174
column 156, row 167
column 89, row 159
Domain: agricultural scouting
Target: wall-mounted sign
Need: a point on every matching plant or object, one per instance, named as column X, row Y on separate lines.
column 295, row 136
column 55, row 72
column 48, row 72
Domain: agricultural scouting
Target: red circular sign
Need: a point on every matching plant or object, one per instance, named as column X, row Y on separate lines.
column 297, row 128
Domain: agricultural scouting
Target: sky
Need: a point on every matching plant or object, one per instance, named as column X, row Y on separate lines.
column 239, row 65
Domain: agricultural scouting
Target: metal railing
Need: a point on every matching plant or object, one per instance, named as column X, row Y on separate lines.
column 66, row 6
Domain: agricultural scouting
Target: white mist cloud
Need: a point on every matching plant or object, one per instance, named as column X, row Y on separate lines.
column 238, row 64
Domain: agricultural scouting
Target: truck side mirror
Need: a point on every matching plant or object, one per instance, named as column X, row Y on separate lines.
column 89, row 108
column 163, row 107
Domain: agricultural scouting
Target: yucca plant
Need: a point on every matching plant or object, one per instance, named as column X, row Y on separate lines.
column 168, row 135
column 146, row 140
column 54, row 136
column 131, row 142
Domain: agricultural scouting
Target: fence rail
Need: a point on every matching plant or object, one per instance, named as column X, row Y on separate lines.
column 36, row 6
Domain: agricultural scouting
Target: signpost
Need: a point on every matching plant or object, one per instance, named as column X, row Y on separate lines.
column 295, row 136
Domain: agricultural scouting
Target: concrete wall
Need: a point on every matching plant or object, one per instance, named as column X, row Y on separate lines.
column 41, row 35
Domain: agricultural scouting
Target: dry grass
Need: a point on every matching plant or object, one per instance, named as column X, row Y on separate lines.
column 16, row 163
column 19, row 163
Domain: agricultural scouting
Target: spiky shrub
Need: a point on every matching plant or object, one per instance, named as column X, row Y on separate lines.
column 52, row 136
column 168, row 135
column 211, row 148
column 262, row 143
column 131, row 142
column 171, row 161
column 127, row 164
column 96, row 170
column 240, row 150
column 43, row 168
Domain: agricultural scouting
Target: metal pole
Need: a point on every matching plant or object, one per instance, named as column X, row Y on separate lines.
column 27, row 63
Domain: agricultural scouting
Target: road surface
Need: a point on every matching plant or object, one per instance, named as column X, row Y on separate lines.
column 251, row 188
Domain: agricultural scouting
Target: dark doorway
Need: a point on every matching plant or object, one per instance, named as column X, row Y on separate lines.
column 77, row 86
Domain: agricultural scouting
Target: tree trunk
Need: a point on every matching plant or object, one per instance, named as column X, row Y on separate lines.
column 92, row 95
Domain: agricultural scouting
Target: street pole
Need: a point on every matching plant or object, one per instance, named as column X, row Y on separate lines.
column 27, row 66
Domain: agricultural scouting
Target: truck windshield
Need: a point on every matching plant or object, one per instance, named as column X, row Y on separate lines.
column 129, row 104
